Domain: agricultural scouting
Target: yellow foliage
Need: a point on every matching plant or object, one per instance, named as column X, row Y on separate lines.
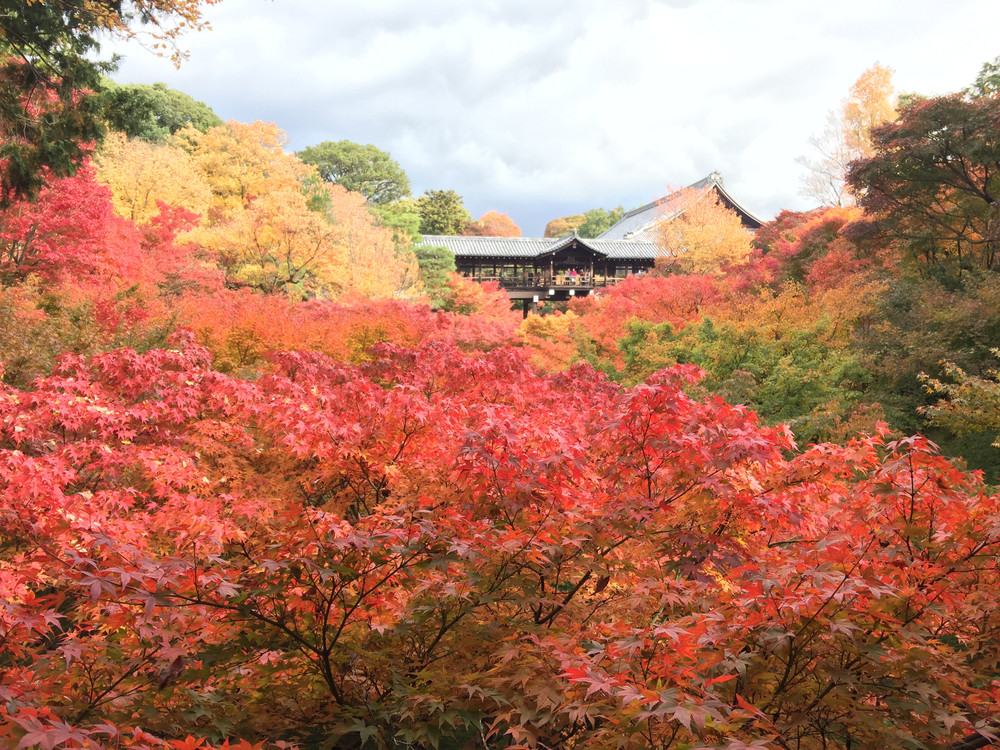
column 243, row 161
column 792, row 308
column 373, row 266
column 140, row 173
column 869, row 104
column 705, row 237
column 564, row 225
column 273, row 225
column 550, row 339
column 555, row 327
column 276, row 242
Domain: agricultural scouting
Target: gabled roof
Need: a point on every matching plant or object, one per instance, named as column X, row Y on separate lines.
column 639, row 222
column 526, row 248
column 561, row 243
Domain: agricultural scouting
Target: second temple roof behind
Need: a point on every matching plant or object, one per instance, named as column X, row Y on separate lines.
column 639, row 222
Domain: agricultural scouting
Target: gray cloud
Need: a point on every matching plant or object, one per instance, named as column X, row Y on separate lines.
column 541, row 107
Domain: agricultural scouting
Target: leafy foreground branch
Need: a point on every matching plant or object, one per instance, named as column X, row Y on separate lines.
column 435, row 550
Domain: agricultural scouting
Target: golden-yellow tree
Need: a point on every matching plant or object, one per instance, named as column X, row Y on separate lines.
column 705, row 237
column 846, row 137
column 273, row 225
column 870, row 103
column 373, row 265
column 276, row 243
column 141, row 173
column 265, row 227
column 564, row 225
column 243, row 161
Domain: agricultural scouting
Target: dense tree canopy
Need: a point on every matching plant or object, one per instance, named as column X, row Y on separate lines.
column 152, row 112
column 933, row 182
column 243, row 161
column 437, row 264
column 364, row 169
column 493, row 224
column 564, row 225
column 588, row 224
column 45, row 123
column 142, row 175
column 442, row 212
column 597, row 220
column 441, row 550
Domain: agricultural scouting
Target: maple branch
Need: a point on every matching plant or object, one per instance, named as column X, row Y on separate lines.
column 977, row 740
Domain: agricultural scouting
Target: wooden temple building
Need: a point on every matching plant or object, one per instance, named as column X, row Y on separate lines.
column 532, row 270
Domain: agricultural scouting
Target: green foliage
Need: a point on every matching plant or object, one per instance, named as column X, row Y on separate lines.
column 598, row 220
column 152, row 112
column 987, row 83
column 588, row 224
column 49, row 119
column 924, row 329
column 908, row 98
column 402, row 218
column 44, row 118
column 437, row 264
column 442, row 212
column 795, row 379
column 364, row 169
column 968, row 403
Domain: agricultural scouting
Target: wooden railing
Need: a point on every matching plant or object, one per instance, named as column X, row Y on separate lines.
column 543, row 280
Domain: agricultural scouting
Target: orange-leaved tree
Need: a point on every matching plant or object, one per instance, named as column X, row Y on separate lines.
column 243, row 161
column 493, row 224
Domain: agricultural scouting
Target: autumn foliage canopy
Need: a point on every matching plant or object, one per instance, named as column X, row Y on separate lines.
column 440, row 549
column 260, row 487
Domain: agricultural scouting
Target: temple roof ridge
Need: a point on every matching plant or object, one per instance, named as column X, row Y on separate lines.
column 639, row 222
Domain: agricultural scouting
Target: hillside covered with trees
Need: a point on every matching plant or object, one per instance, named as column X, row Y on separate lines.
column 273, row 475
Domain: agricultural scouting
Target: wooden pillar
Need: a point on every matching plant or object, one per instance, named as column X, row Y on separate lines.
column 526, row 304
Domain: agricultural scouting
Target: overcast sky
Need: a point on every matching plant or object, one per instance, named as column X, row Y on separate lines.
column 541, row 108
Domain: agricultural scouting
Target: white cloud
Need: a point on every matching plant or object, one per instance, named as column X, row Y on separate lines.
column 529, row 106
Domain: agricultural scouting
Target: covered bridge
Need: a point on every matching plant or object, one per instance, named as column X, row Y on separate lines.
column 557, row 269
column 562, row 267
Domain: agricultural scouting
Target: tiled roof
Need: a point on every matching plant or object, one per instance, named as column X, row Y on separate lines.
column 639, row 223
column 625, row 249
column 631, row 238
column 490, row 247
column 527, row 248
